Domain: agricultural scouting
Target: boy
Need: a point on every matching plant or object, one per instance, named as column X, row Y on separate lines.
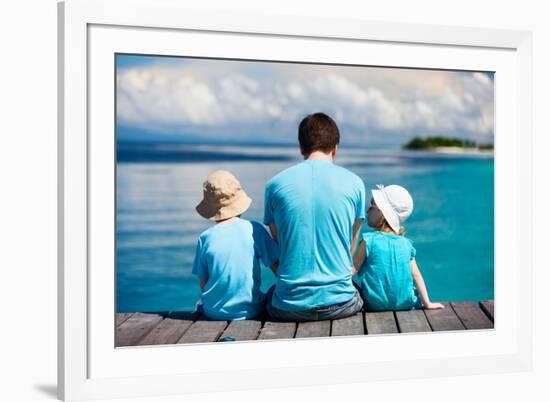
column 227, row 259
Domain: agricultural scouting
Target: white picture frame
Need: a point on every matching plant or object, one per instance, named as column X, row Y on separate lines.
column 91, row 31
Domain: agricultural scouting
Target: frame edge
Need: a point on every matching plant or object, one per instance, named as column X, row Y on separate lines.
column 60, row 201
column 524, row 127
column 77, row 386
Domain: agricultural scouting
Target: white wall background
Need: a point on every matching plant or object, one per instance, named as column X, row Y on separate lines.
column 28, row 199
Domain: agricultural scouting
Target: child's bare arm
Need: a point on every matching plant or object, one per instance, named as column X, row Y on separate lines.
column 359, row 258
column 421, row 287
column 202, row 283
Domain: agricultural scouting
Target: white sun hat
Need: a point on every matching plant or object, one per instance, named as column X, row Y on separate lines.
column 396, row 204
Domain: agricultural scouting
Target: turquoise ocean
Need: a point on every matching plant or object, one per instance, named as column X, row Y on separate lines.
column 159, row 185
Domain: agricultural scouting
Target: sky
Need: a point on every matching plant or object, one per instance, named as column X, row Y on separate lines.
column 193, row 100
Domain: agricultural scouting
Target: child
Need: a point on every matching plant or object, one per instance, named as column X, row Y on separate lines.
column 385, row 260
column 227, row 259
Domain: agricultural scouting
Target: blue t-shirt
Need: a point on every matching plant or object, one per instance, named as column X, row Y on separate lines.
column 228, row 257
column 385, row 278
column 313, row 206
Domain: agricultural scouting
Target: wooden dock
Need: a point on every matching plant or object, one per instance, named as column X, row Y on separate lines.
column 135, row 329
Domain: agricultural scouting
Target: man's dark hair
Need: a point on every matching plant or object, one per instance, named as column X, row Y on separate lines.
column 318, row 132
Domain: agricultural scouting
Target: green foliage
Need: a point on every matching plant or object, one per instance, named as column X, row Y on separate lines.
column 438, row 141
column 486, row 147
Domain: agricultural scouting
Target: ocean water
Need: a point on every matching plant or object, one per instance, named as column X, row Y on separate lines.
column 159, row 185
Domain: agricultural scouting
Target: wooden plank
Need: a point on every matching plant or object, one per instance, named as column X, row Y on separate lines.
column 444, row 319
column 349, row 326
column 412, row 321
column 471, row 315
column 382, row 322
column 312, row 329
column 488, row 307
column 242, row 330
column 169, row 330
column 121, row 317
column 203, row 331
column 153, row 329
column 278, row 330
column 131, row 331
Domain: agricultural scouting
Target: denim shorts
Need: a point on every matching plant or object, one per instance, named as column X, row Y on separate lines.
column 331, row 312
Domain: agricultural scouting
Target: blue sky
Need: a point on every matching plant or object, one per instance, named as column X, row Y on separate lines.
column 185, row 99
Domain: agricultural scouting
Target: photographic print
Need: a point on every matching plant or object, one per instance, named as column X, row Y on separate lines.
column 261, row 200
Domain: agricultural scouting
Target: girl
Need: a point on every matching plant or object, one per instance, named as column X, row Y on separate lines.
column 386, row 271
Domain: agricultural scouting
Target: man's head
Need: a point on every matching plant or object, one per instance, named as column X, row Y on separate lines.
column 318, row 132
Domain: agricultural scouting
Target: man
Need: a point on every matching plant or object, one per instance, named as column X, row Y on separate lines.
column 315, row 211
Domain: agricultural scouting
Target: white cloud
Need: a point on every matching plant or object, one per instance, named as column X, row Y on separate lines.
column 424, row 114
column 452, row 100
column 264, row 98
column 295, row 90
column 385, row 113
column 482, row 78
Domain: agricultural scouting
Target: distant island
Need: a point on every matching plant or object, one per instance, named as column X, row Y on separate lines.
column 447, row 145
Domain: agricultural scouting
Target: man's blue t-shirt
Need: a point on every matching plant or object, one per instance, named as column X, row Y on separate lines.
column 385, row 278
column 228, row 257
column 313, row 206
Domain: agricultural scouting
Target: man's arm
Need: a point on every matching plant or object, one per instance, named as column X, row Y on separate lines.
column 202, row 283
column 356, row 231
column 359, row 257
column 273, row 231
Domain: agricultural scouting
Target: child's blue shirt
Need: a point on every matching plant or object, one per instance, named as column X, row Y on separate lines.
column 385, row 278
column 228, row 257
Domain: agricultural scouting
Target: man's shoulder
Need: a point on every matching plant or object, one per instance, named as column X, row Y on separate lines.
column 285, row 175
column 348, row 175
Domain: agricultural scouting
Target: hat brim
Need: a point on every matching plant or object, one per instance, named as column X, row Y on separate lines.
column 213, row 213
column 386, row 208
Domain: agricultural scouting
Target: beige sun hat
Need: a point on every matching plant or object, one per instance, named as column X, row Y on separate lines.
column 223, row 197
column 396, row 204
